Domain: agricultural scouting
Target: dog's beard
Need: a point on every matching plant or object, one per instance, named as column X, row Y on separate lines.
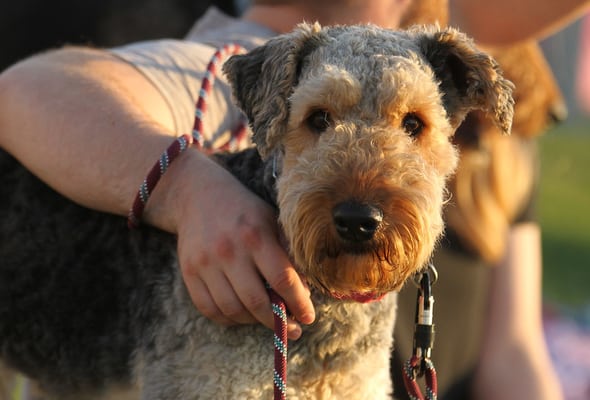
column 335, row 266
column 406, row 190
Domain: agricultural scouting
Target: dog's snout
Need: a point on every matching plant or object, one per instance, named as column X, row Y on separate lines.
column 356, row 221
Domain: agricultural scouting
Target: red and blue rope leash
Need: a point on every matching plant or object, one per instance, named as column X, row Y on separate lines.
column 279, row 311
column 410, row 378
column 197, row 138
column 278, row 305
column 201, row 106
column 149, row 183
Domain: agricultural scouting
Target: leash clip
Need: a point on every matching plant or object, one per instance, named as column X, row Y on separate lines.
column 424, row 326
column 420, row 364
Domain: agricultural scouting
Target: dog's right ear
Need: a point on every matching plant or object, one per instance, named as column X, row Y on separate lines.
column 469, row 79
column 263, row 80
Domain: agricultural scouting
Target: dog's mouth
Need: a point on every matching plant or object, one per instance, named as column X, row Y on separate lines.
column 353, row 249
column 341, row 289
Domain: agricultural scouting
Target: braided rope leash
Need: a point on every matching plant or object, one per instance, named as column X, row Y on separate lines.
column 239, row 133
column 420, row 363
column 197, row 138
column 149, row 183
column 278, row 305
column 185, row 141
column 410, row 378
column 280, row 345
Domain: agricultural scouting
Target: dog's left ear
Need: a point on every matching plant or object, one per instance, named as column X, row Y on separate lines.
column 469, row 78
column 263, row 80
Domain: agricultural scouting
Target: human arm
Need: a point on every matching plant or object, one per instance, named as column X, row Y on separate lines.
column 91, row 126
column 515, row 363
column 506, row 21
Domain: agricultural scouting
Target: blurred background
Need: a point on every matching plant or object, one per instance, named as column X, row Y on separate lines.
column 565, row 181
column 30, row 26
column 564, row 211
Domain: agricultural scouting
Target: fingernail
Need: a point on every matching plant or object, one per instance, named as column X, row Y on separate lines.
column 307, row 318
column 295, row 333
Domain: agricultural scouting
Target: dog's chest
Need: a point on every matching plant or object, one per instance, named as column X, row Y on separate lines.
column 344, row 354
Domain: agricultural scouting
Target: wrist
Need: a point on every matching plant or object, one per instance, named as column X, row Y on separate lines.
column 149, row 183
column 161, row 209
column 187, row 183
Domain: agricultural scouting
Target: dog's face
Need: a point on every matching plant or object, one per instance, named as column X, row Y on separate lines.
column 359, row 120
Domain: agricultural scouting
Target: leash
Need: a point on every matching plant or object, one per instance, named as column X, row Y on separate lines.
column 420, row 364
column 417, row 366
column 237, row 134
column 185, row 141
column 279, row 311
column 197, row 139
column 278, row 305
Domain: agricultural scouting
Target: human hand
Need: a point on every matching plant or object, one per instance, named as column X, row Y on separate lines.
column 228, row 246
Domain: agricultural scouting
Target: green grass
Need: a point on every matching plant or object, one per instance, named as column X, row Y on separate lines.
column 564, row 211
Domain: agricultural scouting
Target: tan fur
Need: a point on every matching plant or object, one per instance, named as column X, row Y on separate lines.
column 370, row 150
column 365, row 155
column 366, row 82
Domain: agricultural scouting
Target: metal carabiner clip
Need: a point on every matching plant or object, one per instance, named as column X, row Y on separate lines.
column 424, row 326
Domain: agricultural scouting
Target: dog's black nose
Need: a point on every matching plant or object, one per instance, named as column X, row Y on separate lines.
column 356, row 221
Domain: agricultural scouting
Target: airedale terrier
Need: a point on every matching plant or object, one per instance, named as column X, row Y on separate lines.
column 352, row 127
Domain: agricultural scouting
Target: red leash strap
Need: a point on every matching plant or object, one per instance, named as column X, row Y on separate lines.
column 280, row 345
column 149, row 183
column 278, row 305
column 197, row 137
column 420, row 363
column 185, row 141
column 410, row 375
column 201, row 106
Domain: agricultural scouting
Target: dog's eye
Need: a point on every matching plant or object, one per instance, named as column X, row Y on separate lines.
column 412, row 124
column 318, row 121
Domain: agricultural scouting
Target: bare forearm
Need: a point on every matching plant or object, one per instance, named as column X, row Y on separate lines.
column 516, row 292
column 515, row 363
column 505, row 21
column 67, row 117
column 92, row 126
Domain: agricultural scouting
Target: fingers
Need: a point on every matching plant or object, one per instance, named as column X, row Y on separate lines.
column 272, row 262
column 227, row 287
column 204, row 302
column 227, row 300
column 226, row 257
column 253, row 294
column 213, row 294
column 237, row 297
column 275, row 266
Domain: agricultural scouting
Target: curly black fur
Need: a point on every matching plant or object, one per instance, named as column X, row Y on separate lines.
column 78, row 290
